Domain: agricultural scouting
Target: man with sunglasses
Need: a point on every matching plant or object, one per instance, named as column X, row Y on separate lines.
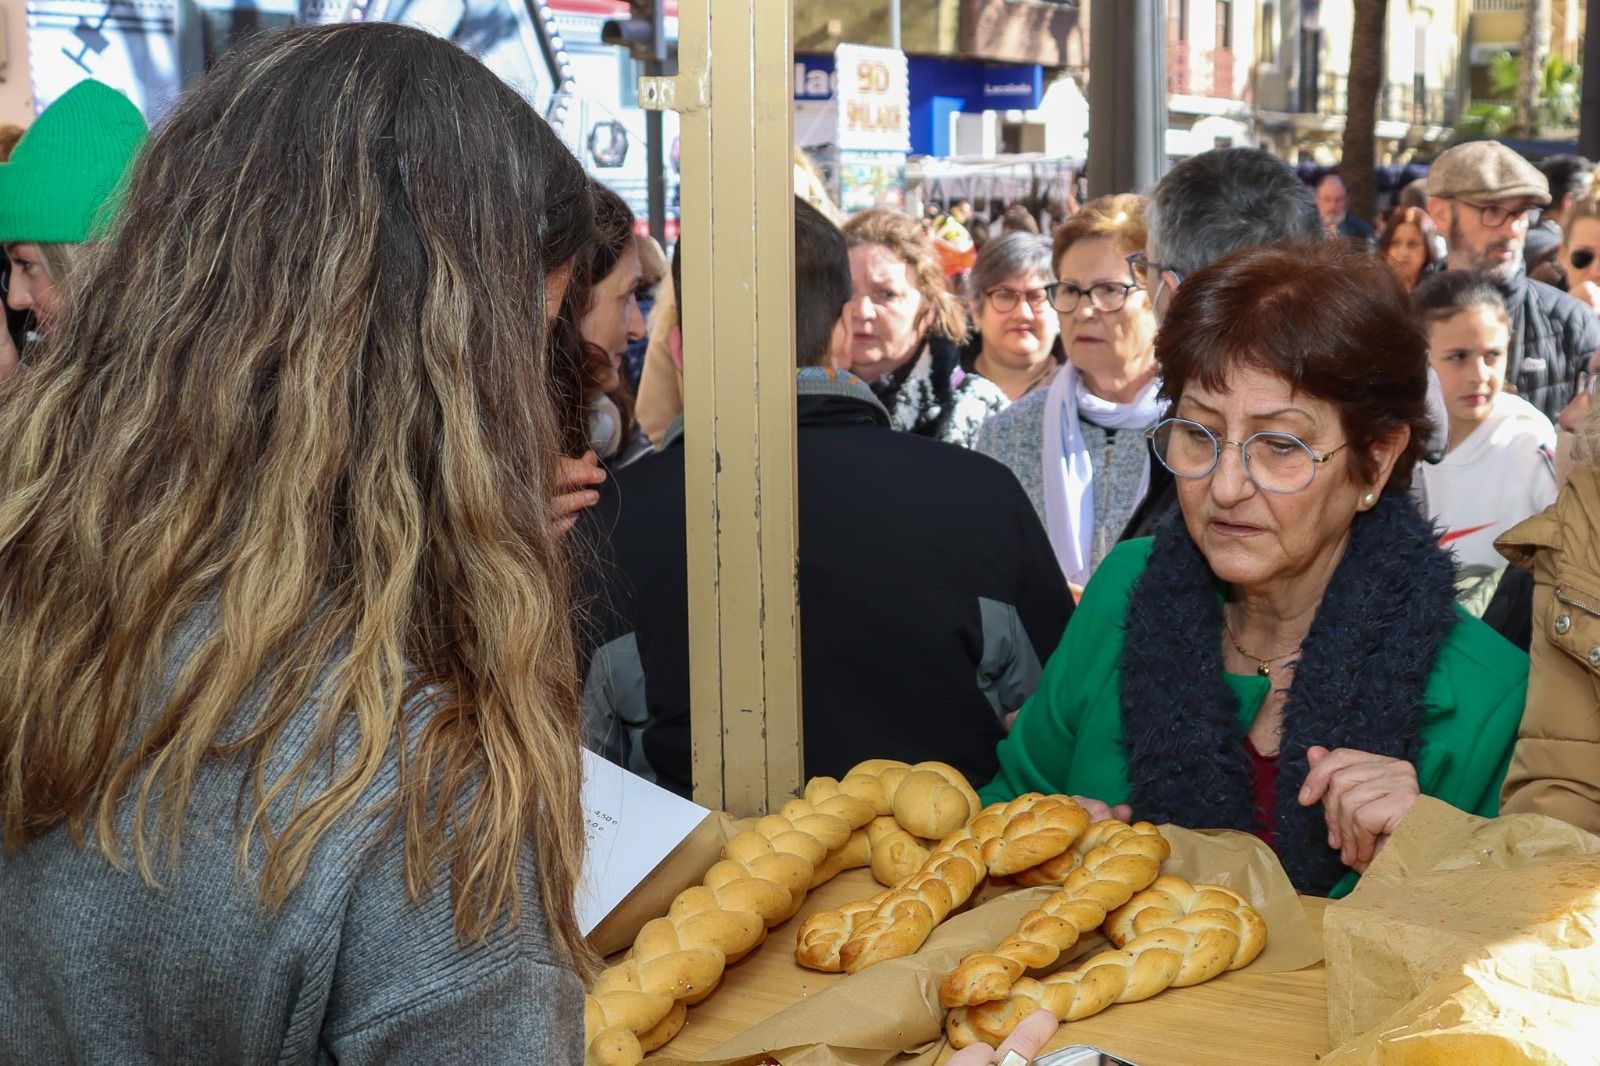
column 1483, row 196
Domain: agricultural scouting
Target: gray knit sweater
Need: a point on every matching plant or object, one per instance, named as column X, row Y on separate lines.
column 98, row 967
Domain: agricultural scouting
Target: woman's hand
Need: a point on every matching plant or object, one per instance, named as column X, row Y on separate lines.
column 1027, row 1040
column 1100, row 812
column 574, row 481
column 1363, row 798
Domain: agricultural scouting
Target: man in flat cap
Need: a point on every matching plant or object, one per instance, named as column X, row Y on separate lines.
column 1481, row 196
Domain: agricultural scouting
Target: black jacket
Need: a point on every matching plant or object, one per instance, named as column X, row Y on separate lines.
column 1552, row 338
column 929, row 599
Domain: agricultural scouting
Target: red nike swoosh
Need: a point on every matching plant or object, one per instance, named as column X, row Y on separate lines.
column 1457, row 534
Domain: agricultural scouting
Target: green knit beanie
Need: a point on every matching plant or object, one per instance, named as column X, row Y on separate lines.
column 64, row 180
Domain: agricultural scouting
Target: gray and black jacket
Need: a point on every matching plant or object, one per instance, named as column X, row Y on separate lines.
column 929, row 598
column 1552, row 338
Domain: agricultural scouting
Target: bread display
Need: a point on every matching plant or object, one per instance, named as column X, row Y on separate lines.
column 761, row 880
column 920, row 830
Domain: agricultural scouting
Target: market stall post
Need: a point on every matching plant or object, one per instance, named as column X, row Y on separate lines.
column 734, row 90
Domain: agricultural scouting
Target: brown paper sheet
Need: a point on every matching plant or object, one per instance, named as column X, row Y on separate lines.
column 1469, row 940
column 890, row 1013
column 684, row 866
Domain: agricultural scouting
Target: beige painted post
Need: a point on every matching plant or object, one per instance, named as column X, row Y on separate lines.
column 734, row 90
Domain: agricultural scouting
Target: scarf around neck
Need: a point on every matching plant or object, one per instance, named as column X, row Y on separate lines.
column 1360, row 682
column 1068, row 469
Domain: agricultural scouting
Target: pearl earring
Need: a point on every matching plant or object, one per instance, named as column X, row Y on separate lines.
column 1370, row 499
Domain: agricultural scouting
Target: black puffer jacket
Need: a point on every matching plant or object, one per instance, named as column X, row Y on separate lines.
column 1552, row 339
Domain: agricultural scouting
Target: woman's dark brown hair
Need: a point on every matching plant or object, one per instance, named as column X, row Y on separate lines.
column 1411, row 216
column 1329, row 318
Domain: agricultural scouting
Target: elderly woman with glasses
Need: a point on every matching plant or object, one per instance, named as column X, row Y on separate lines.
column 1078, row 447
column 1014, row 348
column 1285, row 655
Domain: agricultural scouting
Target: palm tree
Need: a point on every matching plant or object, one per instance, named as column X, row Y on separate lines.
column 1535, row 46
column 1361, row 110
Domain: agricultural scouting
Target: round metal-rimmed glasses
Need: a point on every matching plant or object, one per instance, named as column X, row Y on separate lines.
column 1276, row 462
column 1105, row 296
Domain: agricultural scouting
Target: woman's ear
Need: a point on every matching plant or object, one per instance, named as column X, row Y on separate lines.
column 1385, row 452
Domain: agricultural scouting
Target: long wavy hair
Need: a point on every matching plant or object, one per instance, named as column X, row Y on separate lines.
column 308, row 399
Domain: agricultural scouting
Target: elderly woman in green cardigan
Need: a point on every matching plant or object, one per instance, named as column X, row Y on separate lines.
column 1285, row 655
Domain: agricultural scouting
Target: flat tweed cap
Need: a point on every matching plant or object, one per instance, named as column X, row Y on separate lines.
column 1487, row 169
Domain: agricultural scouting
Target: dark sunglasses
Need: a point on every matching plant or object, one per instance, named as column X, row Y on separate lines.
column 1581, row 258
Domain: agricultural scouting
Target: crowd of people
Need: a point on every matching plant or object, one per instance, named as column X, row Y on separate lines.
column 342, row 502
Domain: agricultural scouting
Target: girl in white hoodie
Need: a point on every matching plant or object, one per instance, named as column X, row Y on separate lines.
column 1497, row 468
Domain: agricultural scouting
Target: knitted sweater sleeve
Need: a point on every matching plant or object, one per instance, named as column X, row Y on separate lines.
column 405, row 989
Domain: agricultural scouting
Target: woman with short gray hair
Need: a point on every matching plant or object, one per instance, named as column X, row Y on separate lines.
column 1015, row 347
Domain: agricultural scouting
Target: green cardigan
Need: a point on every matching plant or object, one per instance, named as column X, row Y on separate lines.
column 1068, row 737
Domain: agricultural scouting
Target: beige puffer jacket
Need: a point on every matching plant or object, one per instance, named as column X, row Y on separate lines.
column 1556, row 767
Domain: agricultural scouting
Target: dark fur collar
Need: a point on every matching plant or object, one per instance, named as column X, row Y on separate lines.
column 1359, row 683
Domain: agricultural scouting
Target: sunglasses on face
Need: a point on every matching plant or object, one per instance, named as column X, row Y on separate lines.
column 1581, row 258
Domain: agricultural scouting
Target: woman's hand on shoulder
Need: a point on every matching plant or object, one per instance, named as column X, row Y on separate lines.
column 574, row 483
column 1100, row 812
column 1363, row 798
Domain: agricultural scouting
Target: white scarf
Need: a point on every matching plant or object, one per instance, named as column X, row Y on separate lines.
column 1068, row 472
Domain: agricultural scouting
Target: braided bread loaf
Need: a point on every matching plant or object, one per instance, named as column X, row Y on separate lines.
column 1197, row 946
column 1172, row 900
column 765, row 872
column 893, row 924
column 1121, row 860
column 930, row 800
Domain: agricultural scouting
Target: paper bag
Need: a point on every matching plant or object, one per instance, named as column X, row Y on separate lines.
column 1469, row 940
column 891, row 1013
column 684, row 867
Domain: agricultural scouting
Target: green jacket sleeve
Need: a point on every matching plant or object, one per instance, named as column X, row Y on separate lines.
column 1077, row 698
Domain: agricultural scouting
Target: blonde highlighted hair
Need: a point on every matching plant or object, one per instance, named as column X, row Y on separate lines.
column 1119, row 217
column 309, row 400
column 905, row 238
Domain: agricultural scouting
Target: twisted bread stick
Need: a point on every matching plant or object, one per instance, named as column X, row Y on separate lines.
column 1197, row 947
column 637, row 1005
column 1125, row 860
column 896, row 923
column 1171, row 899
column 930, row 800
column 1055, row 871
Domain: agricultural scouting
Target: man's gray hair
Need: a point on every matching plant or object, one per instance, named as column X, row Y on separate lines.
column 1010, row 256
column 1216, row 203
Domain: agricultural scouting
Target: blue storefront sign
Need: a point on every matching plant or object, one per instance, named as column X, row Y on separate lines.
column 938, row 89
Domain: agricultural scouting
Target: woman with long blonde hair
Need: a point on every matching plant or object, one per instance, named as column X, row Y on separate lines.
column 289, row 758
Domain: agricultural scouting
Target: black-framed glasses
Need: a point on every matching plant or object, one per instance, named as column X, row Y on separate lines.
column 1103, row 296
column 1005, row 300
column 1142, row 269
column 1495, row 216
column 1276, row 462
column 1581, row 258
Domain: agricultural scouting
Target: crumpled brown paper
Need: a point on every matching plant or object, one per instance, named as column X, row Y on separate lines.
column 890, row 1013
column 1469, row 940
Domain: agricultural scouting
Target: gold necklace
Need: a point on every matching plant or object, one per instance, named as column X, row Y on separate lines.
column 1263, row 666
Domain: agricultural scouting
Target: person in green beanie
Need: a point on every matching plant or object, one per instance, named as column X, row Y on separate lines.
column 60, row 190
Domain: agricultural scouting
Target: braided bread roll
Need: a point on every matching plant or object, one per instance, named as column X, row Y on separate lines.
column 765, row 872
column 1171, row 900
column 896, row 923
column 930, row 800
column 1123, row 860
column 1199, row 945
column 1054, row 871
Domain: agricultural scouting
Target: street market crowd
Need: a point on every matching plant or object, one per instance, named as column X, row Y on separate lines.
column 342, row 481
